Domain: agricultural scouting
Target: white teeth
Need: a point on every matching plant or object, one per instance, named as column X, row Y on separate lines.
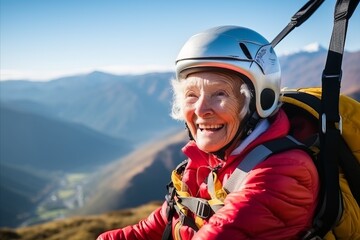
column 202, row 126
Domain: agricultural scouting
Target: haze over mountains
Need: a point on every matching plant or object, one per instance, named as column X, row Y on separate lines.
column 111, row 104
column 102, row 125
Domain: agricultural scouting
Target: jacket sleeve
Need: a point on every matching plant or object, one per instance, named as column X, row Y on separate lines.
column 150, row 228
column 277, row 201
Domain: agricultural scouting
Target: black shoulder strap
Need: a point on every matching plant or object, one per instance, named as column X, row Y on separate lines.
column 301, row 16
column 347, row 159
column 330, row 124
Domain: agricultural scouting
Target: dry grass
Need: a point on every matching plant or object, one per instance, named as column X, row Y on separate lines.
column 80, row 228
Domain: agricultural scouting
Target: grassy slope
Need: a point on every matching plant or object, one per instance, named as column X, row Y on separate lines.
column 80, row 228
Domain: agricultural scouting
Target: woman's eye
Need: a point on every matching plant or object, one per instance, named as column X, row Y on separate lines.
column 221, row 93
column 190, row 93
column 190, row 97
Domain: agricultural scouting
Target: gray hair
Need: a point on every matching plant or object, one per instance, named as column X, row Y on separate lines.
column 178, row 99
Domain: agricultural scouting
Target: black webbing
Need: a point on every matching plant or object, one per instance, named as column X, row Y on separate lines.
column 284, row 144
column 329, row 119
column 170, row 209
column 348, row 162
column 299, row 17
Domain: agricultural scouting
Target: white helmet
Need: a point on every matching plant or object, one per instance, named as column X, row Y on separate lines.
column 238, row 49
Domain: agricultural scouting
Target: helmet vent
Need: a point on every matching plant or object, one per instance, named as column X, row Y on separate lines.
column 246, row 51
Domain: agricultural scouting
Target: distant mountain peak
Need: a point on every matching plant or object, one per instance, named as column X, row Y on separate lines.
column 309, row 48
column 312, row 47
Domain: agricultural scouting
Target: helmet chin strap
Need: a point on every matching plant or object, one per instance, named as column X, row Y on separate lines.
column 250, row 125
column 189, row 133
column 245, row 129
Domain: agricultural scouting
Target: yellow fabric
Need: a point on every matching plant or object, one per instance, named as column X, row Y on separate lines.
column 199, row 221
column 181, row 191
column 301, row 104
column 177, row 227
column 178, row 185
column 349, row 109
column 349, row 224
column 217, row 198
column 220, row 194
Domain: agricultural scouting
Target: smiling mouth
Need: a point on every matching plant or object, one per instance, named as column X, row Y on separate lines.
column 214, row 127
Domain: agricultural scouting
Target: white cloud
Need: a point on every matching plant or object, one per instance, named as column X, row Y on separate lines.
column 312, row 47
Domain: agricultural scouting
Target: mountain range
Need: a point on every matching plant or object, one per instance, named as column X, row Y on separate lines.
column 39, row 142
column 115, row 126
column 304, row 69
column 111, row 104
column 34, row 148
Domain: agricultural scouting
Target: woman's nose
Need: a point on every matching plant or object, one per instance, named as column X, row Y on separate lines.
column 203, row 106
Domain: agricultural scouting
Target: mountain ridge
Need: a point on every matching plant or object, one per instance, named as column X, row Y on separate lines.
column 120, row 179
column 134, row 107
column 18, row 129
column 304, row 69
column 120, row 102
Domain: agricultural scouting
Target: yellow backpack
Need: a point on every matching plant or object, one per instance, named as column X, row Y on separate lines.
column 337, row 117
column 307, row 100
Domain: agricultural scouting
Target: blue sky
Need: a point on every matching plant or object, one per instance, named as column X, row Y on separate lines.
column 44, row 39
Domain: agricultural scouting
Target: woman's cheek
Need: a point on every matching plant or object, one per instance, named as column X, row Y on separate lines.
column 188, row 113
column 231, row 108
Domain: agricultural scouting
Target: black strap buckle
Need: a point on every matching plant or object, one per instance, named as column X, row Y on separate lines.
column 311, row 235
column 203, row 209
column 187, row 221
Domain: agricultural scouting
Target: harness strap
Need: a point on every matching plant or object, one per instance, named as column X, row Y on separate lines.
column 183, row 202
column 256, row 156
column 216, row 191
column 348, row 161
column 198, row 206
column 170, row 209
column 299, row 17
column 330, row 122
column 187, row 221
column 180, row 201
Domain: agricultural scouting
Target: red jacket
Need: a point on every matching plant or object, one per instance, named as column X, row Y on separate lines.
column 277, row 200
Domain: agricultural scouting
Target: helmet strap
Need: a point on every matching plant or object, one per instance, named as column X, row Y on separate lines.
column 245, row 129
column 189, row 133
column 221, row 153
column 250, row 124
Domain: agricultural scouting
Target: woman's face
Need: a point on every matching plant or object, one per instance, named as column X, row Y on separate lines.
column 211, row 109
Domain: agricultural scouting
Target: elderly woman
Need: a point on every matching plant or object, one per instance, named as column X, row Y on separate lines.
column 226, row 90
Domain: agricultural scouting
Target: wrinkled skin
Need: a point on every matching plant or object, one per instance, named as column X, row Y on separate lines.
column 212, row 108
